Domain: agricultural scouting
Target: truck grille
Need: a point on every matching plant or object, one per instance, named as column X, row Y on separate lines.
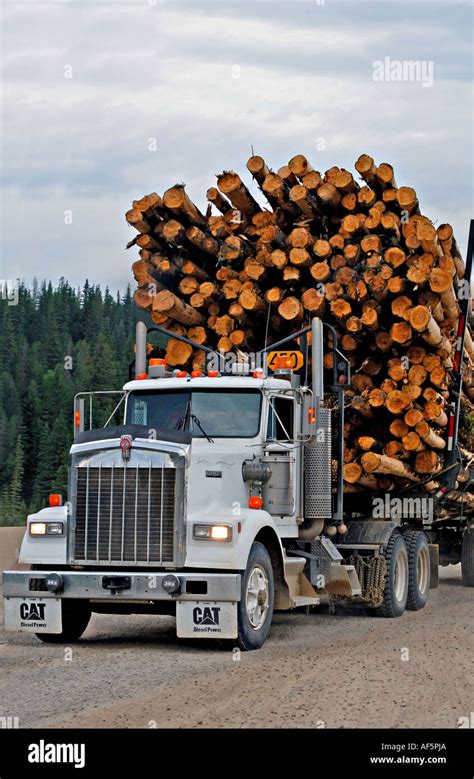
column 125, row 514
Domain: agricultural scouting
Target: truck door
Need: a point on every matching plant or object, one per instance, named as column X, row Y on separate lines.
column 279, row 492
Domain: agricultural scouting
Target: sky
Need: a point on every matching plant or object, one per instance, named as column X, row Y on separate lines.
column 104, row 101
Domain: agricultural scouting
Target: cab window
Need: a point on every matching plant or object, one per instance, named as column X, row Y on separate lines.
column 280, row 419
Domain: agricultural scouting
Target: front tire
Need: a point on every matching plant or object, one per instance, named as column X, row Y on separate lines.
column 396, row 583
column 76, row 615
column 419, row 569
column 467, row 558
column 255, row 609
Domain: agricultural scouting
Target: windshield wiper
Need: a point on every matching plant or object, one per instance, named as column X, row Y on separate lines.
column 197, row 422
column 182, row 422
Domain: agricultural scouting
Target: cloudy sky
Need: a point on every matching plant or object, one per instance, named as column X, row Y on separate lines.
column 106, row 100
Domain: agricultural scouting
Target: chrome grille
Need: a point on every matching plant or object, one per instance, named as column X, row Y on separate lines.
column 125, row 514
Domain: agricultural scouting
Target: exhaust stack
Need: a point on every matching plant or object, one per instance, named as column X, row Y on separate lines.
column 317, row 449
column 140, row 348
column 317, row 374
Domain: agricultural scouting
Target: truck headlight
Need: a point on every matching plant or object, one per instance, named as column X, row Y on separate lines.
column 213, row 532
column 37, row 528
column 46, row 528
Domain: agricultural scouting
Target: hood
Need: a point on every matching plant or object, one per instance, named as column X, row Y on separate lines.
column 134, row 431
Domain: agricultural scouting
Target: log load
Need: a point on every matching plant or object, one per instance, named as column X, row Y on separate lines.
column 278, row 246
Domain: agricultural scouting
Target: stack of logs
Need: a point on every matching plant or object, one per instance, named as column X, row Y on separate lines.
column 359, row 255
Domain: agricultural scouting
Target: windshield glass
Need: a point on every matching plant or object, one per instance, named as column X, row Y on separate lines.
column 223, row 414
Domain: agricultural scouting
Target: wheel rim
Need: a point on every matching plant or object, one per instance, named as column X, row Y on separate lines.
column 422, row 570
column 257, row 597
column 400, row 576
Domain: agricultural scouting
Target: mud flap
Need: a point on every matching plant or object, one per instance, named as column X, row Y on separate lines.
column 206, row 619
column 33, row 615
column 434, row 565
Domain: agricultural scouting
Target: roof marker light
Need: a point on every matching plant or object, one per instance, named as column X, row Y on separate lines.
column 258, row 374
column 142, row 376
column 157, row 368
column 283, row 362
column 196, row 374
column 213, row 374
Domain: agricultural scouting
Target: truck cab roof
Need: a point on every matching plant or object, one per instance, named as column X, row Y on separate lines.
column 207, row 382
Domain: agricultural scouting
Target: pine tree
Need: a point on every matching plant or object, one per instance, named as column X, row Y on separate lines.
column 17, row 504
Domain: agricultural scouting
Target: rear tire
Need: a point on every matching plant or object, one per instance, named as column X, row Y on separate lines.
column 467, row 558
column 396, row 584
column 419, row 569
column 76, row 615
column 255, row 609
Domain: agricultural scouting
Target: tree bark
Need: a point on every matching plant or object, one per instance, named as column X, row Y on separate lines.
column 177, row 201
column 166, row 303
column 231, row 185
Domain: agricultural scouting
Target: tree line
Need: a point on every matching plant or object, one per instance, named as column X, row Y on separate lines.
column 55, row 341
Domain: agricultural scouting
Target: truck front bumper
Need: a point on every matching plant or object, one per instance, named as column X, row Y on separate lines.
column 123, row 586
column 206, row 603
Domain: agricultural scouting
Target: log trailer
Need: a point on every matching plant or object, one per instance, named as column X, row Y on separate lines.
column 220, row 500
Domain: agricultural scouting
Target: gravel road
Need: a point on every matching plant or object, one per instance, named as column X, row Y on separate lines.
column 343, row 670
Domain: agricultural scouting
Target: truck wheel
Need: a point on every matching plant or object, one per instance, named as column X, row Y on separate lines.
column 467, row 558
column 419, row 569
column 76, row 615
column 396, row 584
column 255, row 609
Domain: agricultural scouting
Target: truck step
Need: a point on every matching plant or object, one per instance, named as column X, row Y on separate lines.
column 301, row 600
column 353, row 579
column 302, row 592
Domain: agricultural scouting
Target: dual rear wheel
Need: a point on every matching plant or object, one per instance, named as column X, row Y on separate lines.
column 408, row 574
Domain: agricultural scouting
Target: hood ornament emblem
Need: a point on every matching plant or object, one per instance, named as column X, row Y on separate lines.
column 126, row 446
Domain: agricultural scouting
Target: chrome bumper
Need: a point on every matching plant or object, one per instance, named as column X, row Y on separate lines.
column 144, row 586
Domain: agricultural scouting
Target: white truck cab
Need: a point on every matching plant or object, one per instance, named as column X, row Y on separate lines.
column 219, row 500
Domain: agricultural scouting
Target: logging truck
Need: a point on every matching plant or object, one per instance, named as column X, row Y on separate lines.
column 219, row 499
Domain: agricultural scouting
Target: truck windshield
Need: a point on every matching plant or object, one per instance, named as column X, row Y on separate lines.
column 204, row 413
